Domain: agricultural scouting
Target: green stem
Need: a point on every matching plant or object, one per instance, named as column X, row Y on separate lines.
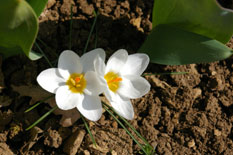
column 42, row 52
column 88, row 130
column 71, row 23
column 96, row 35
column 89, row 36
column 171, row 73
column 41, row 118
column 137, row 133
column 37, row 104
column 44, row 44
column 106, row 108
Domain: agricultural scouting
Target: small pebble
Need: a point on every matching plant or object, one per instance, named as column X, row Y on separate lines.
column 114, row 125
column 191, row 143
column 113, row 152
column 213, row 73
column 217, row 132
column 50, row 3
column 86, row 152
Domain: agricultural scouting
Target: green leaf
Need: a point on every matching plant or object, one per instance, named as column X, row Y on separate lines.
column 18, row 28
column 172, row 46
column 38, row 5
column 204, row 17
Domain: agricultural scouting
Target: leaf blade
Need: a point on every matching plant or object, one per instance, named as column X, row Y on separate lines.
column 178, row 47
column 20, row 28
column 38, row 5
column 202, row 17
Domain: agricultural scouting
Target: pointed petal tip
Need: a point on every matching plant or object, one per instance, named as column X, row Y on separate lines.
column 91, row 108
column 117, row 61
column 50, row 80
column 69, row 62
column 67, row 100
column 88, row 58
column 123, row 106
column 136, row 64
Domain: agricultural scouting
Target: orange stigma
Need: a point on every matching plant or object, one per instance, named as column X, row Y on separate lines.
column 115, row 80
column 77, row 79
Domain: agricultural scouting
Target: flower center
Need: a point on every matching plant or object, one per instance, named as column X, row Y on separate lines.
column 76, row 83
column 113, row 81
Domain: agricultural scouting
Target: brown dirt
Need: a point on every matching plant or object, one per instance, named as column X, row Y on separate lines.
column 182, row 114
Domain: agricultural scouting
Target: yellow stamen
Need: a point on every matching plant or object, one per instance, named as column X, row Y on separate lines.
column 113, row 81
column 72, row 81
column 76, row 83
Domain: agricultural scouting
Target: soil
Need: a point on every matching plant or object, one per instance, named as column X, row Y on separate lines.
column 182, row 114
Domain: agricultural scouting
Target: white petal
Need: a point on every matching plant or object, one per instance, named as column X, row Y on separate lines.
column 50, row 80
column 123, row 107
column 111, row 96
column 135, row 64
column 117, row 61
column 133, row 86
column 99, row 65
column 100, row 70
column 93, row 86
column 67, row 100
column 91, row 107
column 88, row 59
column 68, row 63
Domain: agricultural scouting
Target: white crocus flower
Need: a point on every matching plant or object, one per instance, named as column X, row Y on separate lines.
column 122, row 80
column 75, row 83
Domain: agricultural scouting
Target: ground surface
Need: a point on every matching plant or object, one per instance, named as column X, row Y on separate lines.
column 182, row 114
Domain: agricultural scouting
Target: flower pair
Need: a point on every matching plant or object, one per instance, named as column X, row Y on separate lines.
column 78, row 81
